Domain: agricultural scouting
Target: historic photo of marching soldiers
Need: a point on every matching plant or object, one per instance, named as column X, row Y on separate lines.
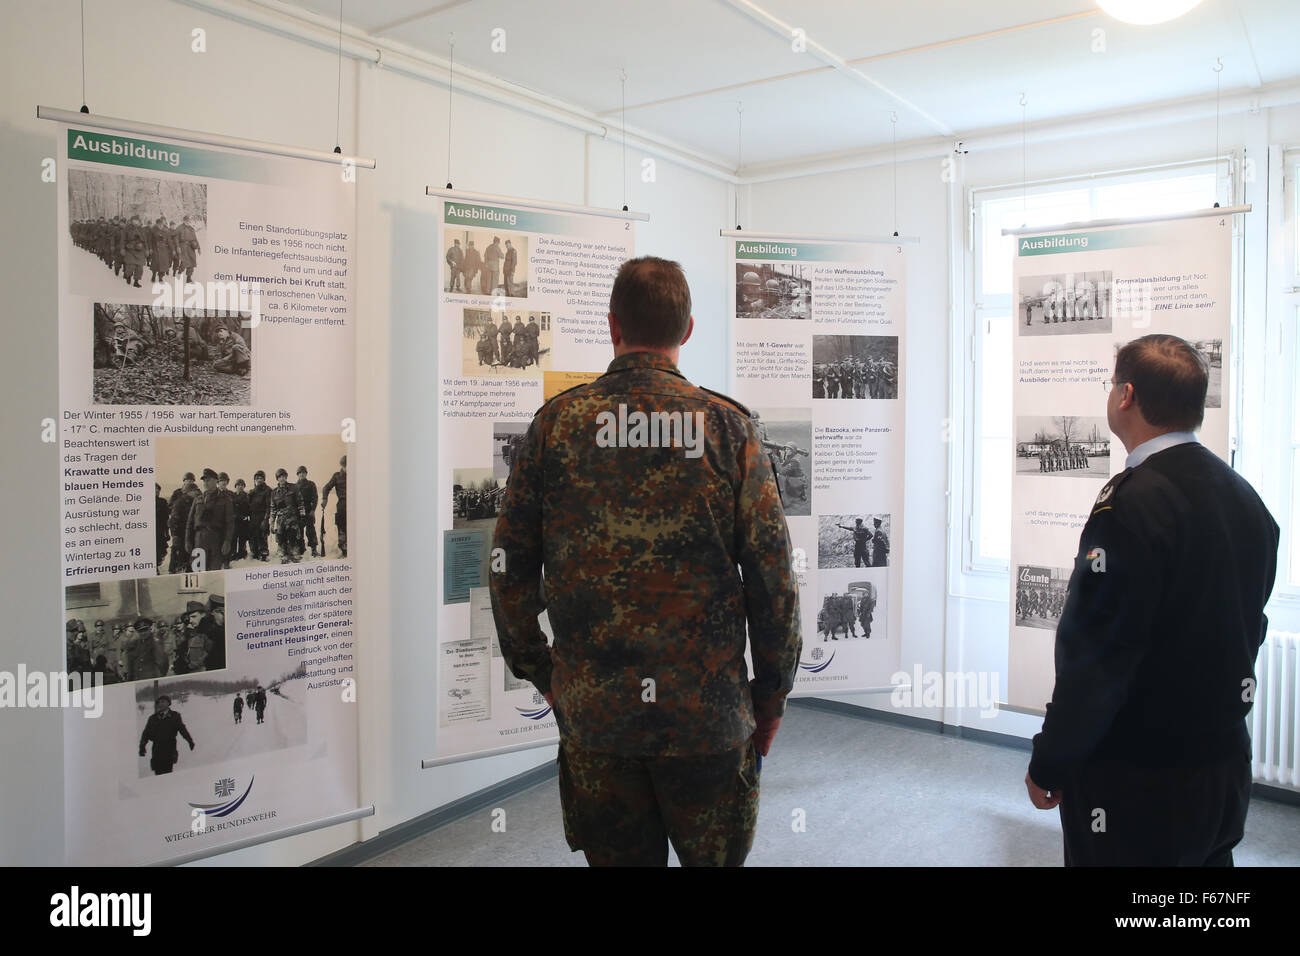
column 1040, row 595
column 236, row 714
column 855, row 366
column 1069, row 446
column 853, row 541
column 506, row 344
column 482, row 262
column 851, row 613
column 786, row 437
column 148, row 356
column 260, row 498
column 1068, row 303
column 476, row 495
column 147, row 628
column 141, row 229
column 507, row 439
column 773, row 290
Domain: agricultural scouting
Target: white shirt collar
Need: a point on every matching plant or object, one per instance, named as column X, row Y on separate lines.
column 1152, row 445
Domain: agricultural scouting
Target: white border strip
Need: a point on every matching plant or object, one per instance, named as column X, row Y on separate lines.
column 1096, row 223
column 475, row 754
column 193, row 136
column 535, row 204
column 344, row 817
column 883, row 240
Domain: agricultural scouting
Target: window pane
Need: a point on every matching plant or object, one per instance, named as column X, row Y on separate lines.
column 995, row 499
column 1040, row 209
column 1293, row 575
column 1156, row 197
column 996, row 378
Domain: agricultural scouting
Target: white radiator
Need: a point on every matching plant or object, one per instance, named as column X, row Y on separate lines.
column 1275, row 718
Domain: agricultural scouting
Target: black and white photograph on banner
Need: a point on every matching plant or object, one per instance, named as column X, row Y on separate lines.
column 854, row 540
column 150, row 356
column 1212, row 351
column 1064, row 446
column 130, row 231
column 1069, row 303
column 851, row 609
column 198, row 720
column 786, row 437
column 486, row 262
column 145, row 629
column 249, row 500
column 773, row 290
column 1040, row 595
column 855, row 366
column 506, row 344
column 507, row 439
column 476, row 495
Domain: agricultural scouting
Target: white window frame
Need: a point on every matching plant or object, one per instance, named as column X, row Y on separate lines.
column 984, row 576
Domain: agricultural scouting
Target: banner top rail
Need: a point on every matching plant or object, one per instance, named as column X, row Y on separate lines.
column 880, row 240
column 1135, row 220
column 444, row 193
column 95, row 121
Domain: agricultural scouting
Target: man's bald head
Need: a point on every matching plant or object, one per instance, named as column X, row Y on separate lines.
column 1169, row 379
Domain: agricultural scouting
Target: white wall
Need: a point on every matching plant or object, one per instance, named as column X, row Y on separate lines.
column 260, row 85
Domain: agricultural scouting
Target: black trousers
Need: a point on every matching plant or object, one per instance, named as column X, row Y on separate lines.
column 1118, row 814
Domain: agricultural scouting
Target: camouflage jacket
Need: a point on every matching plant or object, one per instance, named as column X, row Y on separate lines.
column 655, row 556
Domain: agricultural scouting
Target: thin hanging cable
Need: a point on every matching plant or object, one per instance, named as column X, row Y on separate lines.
column 893, row 120
column 623, row 82
column 451, row 83
column 1024, row 156
column 1218, row 75
column 740, row 151
column 338, row 92
column 84, row 107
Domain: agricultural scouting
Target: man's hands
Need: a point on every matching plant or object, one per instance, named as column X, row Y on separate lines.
column 1042, row 799
column 763, row 734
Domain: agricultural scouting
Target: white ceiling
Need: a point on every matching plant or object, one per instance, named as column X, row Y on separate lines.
column 946, row 66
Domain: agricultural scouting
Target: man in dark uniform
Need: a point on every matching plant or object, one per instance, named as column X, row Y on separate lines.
column 287, row 516
column 134, row 248
column 243, row 520
column 879, row 545
column 505, row 346
column 508, row 268
column 659, row 727
column 162, row 727
column 160, row 251
column 259, row 512
column 1144, row 745
column 181, row 501
column 861, row 536
column 160, row 515
column 308, row 495
column 211, row 524
column 455, row 257
column 187, row 248
column 471, row 266
column 338, row 482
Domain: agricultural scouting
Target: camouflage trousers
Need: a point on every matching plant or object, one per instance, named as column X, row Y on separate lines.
column 623, row 811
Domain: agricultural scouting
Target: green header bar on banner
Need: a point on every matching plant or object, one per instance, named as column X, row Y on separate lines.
column 786, row 250
column 124, row 151
column 1051, row 244
column 505, row 217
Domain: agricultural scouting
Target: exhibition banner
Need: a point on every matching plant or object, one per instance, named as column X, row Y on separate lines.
column 817, row 345
column 522, row 311
column 1080, row 293
column 207, row 401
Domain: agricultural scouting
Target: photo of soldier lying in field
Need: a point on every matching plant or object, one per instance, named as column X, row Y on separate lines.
column 149, row 356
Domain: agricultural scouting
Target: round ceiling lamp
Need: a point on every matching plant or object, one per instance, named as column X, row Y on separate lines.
column 1146, row 12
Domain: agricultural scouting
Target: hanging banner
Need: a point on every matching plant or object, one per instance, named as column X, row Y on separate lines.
column 207, row 402
column 522, row 311
column 817, row 345
column 1081, row 292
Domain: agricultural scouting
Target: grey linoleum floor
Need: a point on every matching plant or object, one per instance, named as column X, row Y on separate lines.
column 872, row 793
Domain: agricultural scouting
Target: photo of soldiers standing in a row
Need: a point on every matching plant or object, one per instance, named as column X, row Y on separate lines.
column 139, row 639
column 1040, row 606
column 136, row 226
column 848, row 613
column 855, row 366
column 517, row 346
column 235, row 523
column 476, row 266
column 1075, row 446
column 151, row 356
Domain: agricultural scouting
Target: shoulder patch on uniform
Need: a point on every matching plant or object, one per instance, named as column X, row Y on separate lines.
column 1108, row 491
column 727, row 398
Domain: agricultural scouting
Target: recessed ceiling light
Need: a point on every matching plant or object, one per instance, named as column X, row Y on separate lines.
column 1146, row 12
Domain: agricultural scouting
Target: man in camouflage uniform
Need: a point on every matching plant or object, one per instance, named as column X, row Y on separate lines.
column 287, row 516
column 338, row 482
column 659, row 727
column 211, row 524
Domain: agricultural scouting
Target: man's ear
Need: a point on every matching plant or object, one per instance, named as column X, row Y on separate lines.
column 690, row 327
column 615, row 333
